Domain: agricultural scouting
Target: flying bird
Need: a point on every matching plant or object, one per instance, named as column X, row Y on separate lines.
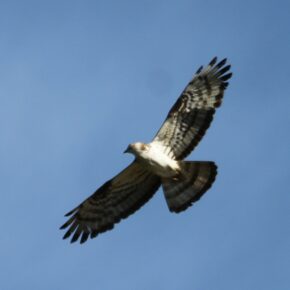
column 160, row 162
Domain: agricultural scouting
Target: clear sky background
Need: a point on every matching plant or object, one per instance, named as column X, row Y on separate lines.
column 79, row 80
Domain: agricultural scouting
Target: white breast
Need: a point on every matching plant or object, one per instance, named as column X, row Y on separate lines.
column 160, row 163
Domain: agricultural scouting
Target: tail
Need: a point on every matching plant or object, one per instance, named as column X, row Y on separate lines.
column 195, row 179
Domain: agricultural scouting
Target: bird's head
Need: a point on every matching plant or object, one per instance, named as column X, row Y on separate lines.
column 136, row 148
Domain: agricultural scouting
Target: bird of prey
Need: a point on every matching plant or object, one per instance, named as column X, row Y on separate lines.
column 160, row 162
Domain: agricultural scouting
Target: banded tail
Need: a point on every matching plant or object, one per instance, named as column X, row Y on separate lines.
column 196, row 178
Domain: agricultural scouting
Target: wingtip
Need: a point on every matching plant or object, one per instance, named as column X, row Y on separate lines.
column 84, row 237
column 221, row 63
column 199, row 70
column 226, row 77
column 93, row 234
column 66, row 235
column 62, row 227
column 74, row 238
column 213, row 61
column 70, row 212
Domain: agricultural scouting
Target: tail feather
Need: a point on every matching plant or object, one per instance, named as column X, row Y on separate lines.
column 195, row 179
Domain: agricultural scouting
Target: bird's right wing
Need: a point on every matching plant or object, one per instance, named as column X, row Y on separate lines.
column 113, row 201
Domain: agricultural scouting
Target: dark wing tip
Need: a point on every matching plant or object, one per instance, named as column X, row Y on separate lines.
column 76, row 234
column 84, row 237
column 77, row 231
column 221, row 63
column 66, row 235
column 213, row 61
column 93, row 234
column 199, row 70
column 222, row 73
column 226, row 77
column 71, row 212
column 67, row 223
column 224, row 70
column 63, row 226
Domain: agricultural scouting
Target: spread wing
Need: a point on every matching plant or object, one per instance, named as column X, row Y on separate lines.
column 191, row 115
column 113, row 201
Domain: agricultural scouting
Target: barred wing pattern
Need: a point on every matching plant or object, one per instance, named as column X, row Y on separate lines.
column 115, row 200
column 191, row 115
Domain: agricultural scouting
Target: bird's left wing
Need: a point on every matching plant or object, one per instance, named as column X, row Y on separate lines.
column 191, row 115
column 113, row 201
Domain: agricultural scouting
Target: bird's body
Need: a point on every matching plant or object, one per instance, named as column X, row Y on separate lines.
column 154, row 159
column 160, row 162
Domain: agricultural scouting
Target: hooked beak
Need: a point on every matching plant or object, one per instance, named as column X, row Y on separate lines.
column 128, row 150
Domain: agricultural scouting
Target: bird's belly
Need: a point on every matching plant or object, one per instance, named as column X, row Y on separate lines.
column 162, row 165
column 163, row 171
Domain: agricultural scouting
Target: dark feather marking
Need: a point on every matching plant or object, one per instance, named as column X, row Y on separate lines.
column 226, row 77
column 66, row 235
column 91, row 219
column 207, row 85
column 125, row 214
column 70, row 230
column 94, row 233
column 188, row 120
column 213, row 61
column 199, row 70
column 225, row 85
column 77, row 233
column 200, row 133
column 223, row 70
column 221, row 63
column 72, row 211
column 219, row 98
column 102, row 191
column 196, row 197
column 175, row 107
column 170, row 134
column 85, row 236
column 185, row 185
column 145, row 198
column 65, row 225
column 86, row 226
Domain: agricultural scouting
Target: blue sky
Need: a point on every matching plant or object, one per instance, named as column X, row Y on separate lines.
column 79, row 80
